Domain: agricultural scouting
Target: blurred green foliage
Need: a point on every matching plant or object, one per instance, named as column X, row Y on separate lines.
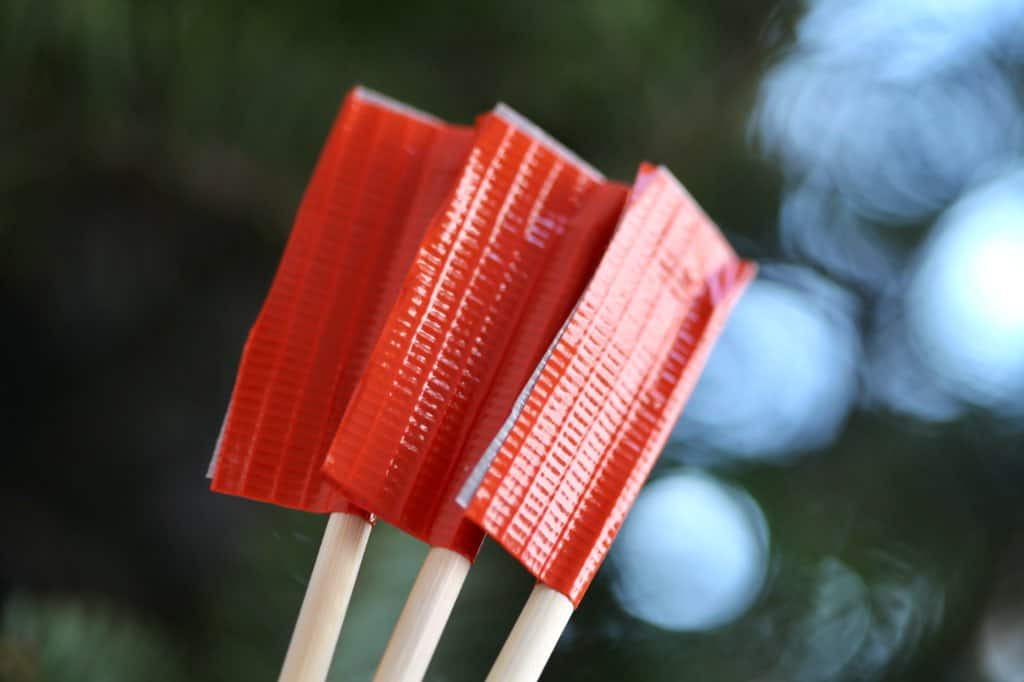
column 254, row 85
column 74, row 641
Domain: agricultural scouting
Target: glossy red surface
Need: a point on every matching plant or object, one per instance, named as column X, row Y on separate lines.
column 615, row 382
column 495, row 277
column 384, row 171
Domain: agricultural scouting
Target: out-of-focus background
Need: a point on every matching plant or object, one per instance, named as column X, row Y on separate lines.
column 843, row 497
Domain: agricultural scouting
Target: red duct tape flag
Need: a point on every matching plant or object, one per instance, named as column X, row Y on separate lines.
column 384, row 171
column 560, row 477
column 495, row 277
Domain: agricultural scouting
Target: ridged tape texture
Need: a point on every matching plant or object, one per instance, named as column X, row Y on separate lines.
column 494, row 279
column 592, row 424
column 382, row 174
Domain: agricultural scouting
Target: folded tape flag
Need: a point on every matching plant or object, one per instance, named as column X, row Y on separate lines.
column 384, row 171
column 494, row 279
column 497, row 273
column 557, row 482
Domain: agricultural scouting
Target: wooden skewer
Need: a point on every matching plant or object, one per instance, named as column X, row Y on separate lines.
column 327, row 596
column 423, row 617
column 533, row 637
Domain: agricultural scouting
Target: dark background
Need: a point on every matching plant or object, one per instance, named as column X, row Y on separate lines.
column 863, row 411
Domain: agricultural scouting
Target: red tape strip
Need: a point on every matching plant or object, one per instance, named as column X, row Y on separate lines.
column 381, row 176
column 495, row 277
column 601, row 409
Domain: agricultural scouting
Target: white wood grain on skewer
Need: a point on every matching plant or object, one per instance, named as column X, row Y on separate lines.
column 533, row 637
column 423, row 617
column 327, row 596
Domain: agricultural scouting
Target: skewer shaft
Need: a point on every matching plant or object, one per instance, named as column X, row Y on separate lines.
column 424, row 616
column 327, row 596
column 533, row 637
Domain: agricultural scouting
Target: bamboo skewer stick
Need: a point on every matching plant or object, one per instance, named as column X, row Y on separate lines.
column 327, row 596
column 533, row 637
column 423, row 617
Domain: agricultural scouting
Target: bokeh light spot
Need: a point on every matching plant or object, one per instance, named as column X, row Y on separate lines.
column 966, row 298
column 692, row 555
column 783, row 376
